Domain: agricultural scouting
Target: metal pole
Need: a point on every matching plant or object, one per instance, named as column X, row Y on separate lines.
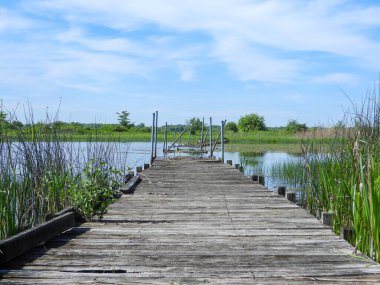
column 153, row 132
column 176, row 140
column 166, row 136
column 222, row 140
column 155, row 143
column 203, row 125
column 210, row 137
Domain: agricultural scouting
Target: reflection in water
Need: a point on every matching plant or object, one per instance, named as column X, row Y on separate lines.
column 262, row 163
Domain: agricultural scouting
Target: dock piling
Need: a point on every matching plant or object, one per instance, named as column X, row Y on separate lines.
column 155, row 143
column 211, row 154
column 281, row 190
column 222, row 140
column 152, row 138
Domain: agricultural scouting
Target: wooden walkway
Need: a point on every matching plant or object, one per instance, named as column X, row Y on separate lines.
column 196, row 222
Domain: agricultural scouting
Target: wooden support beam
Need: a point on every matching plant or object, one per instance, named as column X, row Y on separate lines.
column 21, row 242
column 129, row 188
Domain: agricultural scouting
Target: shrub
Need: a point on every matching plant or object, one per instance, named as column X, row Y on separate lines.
column 252, row 122
column 231, row 126
column 294, row 127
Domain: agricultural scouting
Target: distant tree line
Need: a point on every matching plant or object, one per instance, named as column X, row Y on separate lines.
column 247, row 123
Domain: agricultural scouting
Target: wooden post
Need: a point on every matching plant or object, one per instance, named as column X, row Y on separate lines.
column 229, row 161
column 291, row 196
column 146, row 165
column 281, row 190
column 347, row 233
column 139, row 169
column 237, row 165
column 327, row 218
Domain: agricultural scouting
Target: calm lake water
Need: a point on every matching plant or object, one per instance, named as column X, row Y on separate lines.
column 253, row 162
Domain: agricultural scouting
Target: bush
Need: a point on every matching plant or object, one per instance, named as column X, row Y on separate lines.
column 294, row 127
column 231, row 126
column 252, row 122
column 94, row 190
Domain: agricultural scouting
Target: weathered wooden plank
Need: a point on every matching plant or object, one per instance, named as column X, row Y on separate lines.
column 193, row 222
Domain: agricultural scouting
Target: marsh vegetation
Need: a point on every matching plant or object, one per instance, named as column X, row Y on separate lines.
column 42, row 171
column 343, row 176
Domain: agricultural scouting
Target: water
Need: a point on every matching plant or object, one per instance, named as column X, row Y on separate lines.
column 253, row 163
column 133, row 154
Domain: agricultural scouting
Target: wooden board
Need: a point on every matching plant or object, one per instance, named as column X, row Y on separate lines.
column 193, row 222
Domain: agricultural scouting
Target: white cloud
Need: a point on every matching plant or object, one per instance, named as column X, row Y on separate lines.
column 115, row 44
column 269, row 33
column 10, row 20
column 337, row 78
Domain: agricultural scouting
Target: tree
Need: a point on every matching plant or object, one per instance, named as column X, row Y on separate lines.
column 195, row 125
column 231, row 126
column 294, row 127
column 124, row 120
column 16, row 125
column 3, row 120
column 252, row 122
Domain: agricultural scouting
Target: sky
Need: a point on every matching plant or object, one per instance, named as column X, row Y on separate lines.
column 295, row 59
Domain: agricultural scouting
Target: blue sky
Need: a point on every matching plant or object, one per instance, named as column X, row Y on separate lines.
column 221, row 58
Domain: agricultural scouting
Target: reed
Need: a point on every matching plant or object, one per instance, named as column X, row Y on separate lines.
column 343, row 177
column 291, row 173
column 42, row 171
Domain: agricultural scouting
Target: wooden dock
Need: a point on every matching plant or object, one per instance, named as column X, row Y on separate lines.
column 196, row 222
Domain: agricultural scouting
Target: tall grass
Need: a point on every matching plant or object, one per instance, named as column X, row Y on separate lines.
column 42, row 171
column 291, row 173
column 344, row 177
